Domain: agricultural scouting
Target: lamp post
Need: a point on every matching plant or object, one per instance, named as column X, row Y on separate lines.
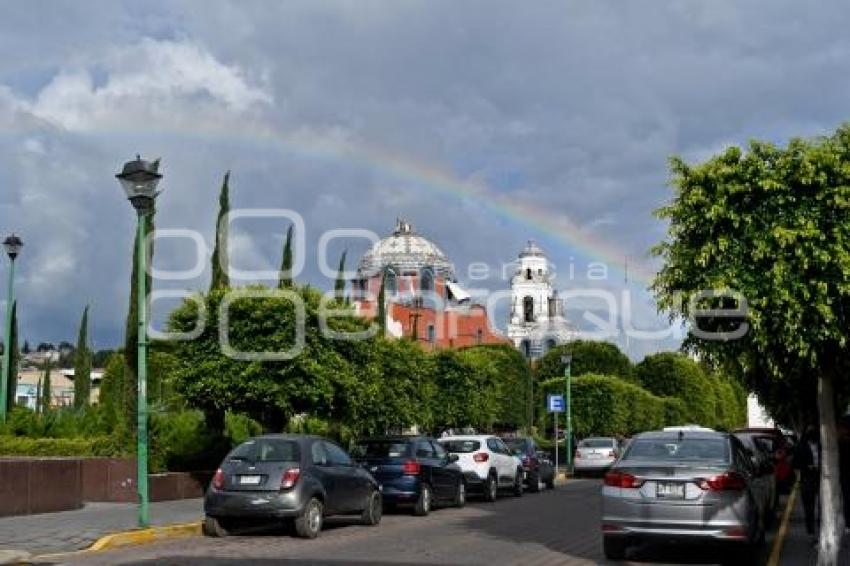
column 13, row 245
column 139, row 179
column 567, row 361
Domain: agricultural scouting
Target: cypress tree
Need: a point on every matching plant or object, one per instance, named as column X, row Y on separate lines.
column 38, row 396
column 131, row 335
column 220, row 257
column 82, row 364
column 382, row 308
column 339, row 286
column 12, row 383
column 286, row 263
column 46, row 395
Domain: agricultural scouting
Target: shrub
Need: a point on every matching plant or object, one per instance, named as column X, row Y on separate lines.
column 673, row 374
column 238, row 428
column 181, row 441
column 587, row 357
column 80, row 447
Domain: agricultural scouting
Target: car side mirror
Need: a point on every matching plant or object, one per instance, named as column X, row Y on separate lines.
column 453, row 458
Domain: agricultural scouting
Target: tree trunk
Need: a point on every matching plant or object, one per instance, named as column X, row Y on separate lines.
column 831, row 513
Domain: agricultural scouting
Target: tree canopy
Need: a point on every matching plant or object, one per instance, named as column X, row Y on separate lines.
column 587, row 357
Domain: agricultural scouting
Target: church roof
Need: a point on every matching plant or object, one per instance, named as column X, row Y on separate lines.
column 532, row 249
column 405, row 250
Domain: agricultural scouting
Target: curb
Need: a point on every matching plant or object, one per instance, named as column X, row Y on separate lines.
column 778, row 542
column 130, row 538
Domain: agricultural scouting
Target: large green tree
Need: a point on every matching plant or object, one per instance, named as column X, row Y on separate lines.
column 773, row 224
column 82, row 364
column 46, row 396
column 673, row 374
column 220, row 256
column 587, row 357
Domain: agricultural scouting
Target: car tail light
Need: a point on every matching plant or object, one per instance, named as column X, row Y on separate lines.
column 289, row 478
column 578, row 455
column 527, row 461
column 730, row 481
column 410, row 468
column 612, row 454
column 735, row 532
column 620, row 479
column 481, row 457
column 218, row 479
column 609, row 528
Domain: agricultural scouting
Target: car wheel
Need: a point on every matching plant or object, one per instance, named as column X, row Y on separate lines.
column 423, row 504
column 374, row 509
column 534, row 482
column 460, row 494
column 550, row 482
column 309, row 523
column 213, row 527
column 518, row 483
column 614, row 548
column 491, row 488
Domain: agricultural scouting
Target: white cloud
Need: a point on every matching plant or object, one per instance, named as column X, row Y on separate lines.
column 153, row 83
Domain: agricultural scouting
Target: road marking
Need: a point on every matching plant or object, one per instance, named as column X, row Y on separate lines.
column 776, row 549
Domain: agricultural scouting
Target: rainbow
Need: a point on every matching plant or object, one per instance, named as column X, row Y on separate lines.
column 554, row 226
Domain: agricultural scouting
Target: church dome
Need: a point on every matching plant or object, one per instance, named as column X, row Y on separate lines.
column 405, row 250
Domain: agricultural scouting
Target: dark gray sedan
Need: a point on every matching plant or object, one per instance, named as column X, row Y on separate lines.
column 293, row 479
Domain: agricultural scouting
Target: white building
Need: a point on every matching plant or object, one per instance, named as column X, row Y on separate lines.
column 537, row 321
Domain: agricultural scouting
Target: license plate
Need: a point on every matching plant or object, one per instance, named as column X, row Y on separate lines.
column 594, row 455
column 665, row 490
column 250, row 480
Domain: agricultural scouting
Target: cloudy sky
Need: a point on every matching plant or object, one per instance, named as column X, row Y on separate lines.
column 483, row 123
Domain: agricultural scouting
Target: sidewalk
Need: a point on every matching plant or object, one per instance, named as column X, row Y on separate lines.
column 797, row 549
column 74, row 530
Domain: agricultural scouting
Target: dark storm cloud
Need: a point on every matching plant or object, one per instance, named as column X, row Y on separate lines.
column 573, row 107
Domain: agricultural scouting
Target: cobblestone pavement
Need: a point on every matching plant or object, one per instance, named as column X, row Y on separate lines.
column 70, row 530
column 553, row 527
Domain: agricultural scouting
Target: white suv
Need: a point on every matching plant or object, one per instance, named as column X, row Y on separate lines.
column 486, row 462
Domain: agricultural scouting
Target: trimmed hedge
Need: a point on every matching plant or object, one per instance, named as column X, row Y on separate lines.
column 53, row 447
column 610, row 406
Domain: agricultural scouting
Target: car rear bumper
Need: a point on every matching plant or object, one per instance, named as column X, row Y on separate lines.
column 401, row 490
column 252, row 504
column 707, row 522
column 473, row 481
column 587, row 464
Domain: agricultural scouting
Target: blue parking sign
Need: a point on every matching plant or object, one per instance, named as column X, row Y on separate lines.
column 555, row 403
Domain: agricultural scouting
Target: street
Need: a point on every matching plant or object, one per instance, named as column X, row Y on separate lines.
column 552, row 527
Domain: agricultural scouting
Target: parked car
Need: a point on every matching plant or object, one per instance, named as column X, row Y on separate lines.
column 764, row 471
column 414, row 470
column 684, row 486
column 486, row 463
column 289, row 478
column 536, row 465
column 595, row 454
column 781, row 450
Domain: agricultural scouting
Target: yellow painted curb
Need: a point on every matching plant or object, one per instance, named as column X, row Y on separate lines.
column 132, row 538
column 146, row 536
column 778, row 542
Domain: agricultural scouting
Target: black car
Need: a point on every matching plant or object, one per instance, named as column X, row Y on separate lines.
column 413, row 470
column 536, row 465
column 293, row 479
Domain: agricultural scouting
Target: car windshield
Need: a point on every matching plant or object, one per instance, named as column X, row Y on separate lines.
column 380, row 449
column 679, row 449
column 515, row 444
column 596, row 443
column 460, row 446
column 267, row 450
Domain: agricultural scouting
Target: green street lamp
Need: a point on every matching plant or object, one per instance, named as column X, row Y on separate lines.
column 139, row 179
column 13, row 245
column 567, row 360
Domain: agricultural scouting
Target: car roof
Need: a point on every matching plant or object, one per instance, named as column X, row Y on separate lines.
column 689, row 433
column 478, row 437
column 288, row 436
column 395, row 438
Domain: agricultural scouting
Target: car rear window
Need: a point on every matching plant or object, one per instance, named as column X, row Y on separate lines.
column 596, row 443
column 267, row 450
column 679, row 450
column 380, row 449
column 460, row 446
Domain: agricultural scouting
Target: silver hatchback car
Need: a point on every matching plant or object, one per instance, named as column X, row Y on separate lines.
column 684, row 486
